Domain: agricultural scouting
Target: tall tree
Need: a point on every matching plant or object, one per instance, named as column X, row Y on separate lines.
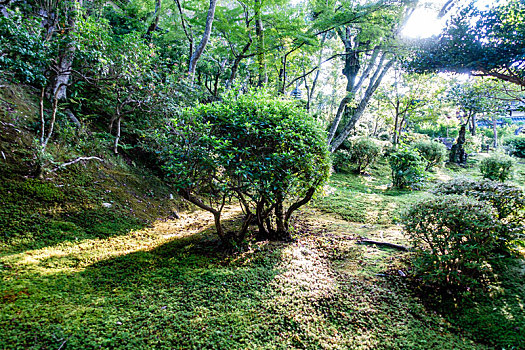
column 487, row 42
column 367, row 33
column 204, row 40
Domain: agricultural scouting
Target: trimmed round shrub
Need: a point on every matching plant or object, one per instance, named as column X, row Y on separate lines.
column 507, row 200
column 516, row 146
column 455, row 239
column 364, row 151
column 408, row 168
column 434, row 153
column 497, row 167
column 265, row 152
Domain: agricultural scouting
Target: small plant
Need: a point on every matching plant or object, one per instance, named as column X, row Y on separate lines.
column 516, row 146
column 407, row 168
column 364, row 151
column 434, row 153
column 497, row 167
column 455, row 239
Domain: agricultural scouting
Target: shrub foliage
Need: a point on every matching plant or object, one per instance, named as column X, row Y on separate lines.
column 465, row 231
column 454, row 239
column 497, row 167
column 407, row 168
column 434, row 153
column 264, row 152
column 516, row 146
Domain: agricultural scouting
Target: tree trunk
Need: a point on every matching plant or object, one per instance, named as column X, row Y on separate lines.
column 117, row 136
column 236, row 63
column 259, row 32
column 473, row 125
column 65, row 60
column 356, row 113
column 495, row 129
column 155, row 23
column 204, row 41
column 187, row 31
column 351, row 70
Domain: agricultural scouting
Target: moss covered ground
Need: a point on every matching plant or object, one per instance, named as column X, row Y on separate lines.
column 77, row 274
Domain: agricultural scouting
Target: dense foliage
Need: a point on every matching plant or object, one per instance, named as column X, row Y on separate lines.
column 364, row 151
column 516, row 146
column 486, row 41
column 265, row 152
column 454, row 239
column 497, row 167
column 407, row 168
column 508, row 200
column 434, row 153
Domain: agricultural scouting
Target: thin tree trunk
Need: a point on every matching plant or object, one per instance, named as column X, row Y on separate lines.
column 117, row 136
column 473, row 125
column 187, row 31
column 236, row 63
column 204, row 41
column 155, row 23
column 259, row 32
column 65, row 61
column 495, row 129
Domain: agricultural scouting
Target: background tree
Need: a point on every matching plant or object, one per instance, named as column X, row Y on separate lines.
column 488, row 42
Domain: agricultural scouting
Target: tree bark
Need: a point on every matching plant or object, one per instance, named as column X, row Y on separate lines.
column 204, row 41
column 187, row 31
column 356, row 113
column 473, row 125
column 351, row 90
column 65, row 60
column 259, row 32
column 155, row 23
column 495, row 130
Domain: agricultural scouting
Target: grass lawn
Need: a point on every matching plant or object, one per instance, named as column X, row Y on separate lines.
column 168, row 286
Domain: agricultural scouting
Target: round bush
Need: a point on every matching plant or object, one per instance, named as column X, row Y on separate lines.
column 454, row 239
column 267, row 153
column 407, row 168
column 497, row 167
column 507, row 200
column 364, row 151
column 516, row 146
column 434, row 153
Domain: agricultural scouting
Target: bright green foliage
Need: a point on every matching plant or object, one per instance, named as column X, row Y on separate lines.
column 516, row 146
column 407, row 168
column 454, row 239
column 364, row 151
column 434, row 153
column 23, row 56
column 497, row 167
column 262, row 150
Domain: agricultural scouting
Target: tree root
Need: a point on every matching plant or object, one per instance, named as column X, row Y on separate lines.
column 79, row 159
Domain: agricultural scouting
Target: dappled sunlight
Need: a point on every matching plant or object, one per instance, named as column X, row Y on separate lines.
column 74, row 256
